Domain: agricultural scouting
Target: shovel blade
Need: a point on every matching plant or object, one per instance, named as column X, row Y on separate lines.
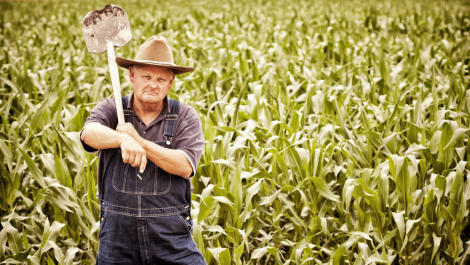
column 108, row 24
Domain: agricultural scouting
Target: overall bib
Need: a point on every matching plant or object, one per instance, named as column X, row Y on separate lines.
column 145, row 218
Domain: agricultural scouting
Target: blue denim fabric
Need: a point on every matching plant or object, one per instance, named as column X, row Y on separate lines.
column 144, row 240
column 146, row 217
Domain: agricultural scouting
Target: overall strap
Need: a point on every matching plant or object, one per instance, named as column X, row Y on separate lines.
column 127, row 115
column 170, row 120
column 126, row 108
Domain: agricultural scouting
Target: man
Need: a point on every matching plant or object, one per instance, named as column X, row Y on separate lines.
column 145, row 165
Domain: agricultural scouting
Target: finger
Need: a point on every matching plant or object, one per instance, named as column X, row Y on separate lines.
column 131, row 158
column 122, row 129
column 125, row 156
column 121, row 126
column 143, row 163
column 128, row 126
column 136, row 161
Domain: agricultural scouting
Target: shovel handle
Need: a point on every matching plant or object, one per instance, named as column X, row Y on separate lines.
column 113, row 71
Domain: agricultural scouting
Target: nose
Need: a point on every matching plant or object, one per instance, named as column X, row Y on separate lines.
column 153, row 84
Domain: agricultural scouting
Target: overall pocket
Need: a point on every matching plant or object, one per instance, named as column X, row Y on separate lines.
column 128, row 179
column 102, row 220
column 187, row 222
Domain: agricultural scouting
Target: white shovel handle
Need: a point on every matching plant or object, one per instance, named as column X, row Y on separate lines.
column 113, row 71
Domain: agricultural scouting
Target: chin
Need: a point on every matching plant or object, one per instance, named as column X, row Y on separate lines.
column 151, row 99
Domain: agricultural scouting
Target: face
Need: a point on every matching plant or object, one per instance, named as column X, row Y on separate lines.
column 150, row 83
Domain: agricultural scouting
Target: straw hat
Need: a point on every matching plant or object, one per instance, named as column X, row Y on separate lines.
column 154, row 52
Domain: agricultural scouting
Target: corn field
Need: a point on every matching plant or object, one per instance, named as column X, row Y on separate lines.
column 336, row 132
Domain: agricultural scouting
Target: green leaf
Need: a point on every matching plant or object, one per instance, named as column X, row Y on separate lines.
column 446, row 147
column 224, row 257
column 456, row 135
column 25, row 240
column 269, row 199
column 7, row 155
column 436, row 244
column 70, row 255
column 339, row 253
column 14, row 239
column 456, row 192
column 358, row 259
column 223, row 199
column 206, row 208
column 321, row 187
column 395, row 164
column 252, row 190
column 35, row 172
column 465, row 257
column 220, row 255
column 435, row 142
column 11, row 261
column 61, row 172
column 400, row 221
column 259, row 253
column 37, row 116
column 296, row 163
column 21, row 256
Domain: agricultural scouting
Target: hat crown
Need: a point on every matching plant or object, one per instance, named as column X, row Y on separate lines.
column 155, row 50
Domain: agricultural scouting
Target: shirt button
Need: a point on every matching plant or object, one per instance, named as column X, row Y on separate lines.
column 187, row 218
column 102, row 219
column 144, row 132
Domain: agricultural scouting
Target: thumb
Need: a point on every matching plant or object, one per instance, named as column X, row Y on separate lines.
column 143, row 163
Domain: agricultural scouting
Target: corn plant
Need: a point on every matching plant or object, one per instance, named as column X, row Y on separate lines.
column 336, row 133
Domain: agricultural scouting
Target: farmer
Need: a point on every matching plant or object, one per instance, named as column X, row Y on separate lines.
column 145, row 165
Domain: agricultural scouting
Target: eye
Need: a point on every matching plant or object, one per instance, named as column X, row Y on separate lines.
column 147, row 77
column 161, row 79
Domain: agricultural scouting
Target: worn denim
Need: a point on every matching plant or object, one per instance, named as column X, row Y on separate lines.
column 146, row 217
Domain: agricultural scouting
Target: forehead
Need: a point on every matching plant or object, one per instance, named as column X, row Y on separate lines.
column 151, row 69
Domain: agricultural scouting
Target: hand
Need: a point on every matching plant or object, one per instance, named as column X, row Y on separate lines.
column 128, row 129
column 133, row 153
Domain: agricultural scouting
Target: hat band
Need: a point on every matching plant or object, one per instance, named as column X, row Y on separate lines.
column 155, row 62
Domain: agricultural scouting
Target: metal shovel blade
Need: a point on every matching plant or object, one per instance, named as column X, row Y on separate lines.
column 109, row 24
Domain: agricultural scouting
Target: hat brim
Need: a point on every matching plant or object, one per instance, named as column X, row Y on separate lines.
column 126, row 63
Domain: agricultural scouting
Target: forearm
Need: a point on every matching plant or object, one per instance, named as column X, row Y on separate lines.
column 172, row 161
column 101, row 137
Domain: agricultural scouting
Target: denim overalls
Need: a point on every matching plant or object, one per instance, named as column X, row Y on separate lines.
column 145, row 218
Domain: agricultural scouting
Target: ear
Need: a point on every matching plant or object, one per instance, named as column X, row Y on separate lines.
column 131, row 74
column 172, row 80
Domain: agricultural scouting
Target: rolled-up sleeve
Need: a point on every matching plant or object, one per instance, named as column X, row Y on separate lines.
column 190, row 138
column 105, row 114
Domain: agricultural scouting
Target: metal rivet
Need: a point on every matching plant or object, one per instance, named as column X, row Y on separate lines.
column 187, row 218
column 144, row 132
column 102, row 219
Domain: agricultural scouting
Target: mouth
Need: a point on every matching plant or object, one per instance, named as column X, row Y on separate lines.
column 152, row 93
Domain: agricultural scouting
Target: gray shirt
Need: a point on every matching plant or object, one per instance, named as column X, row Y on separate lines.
column 189, row 137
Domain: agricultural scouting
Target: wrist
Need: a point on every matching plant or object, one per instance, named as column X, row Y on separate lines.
column 142, row 142
column 123, row 137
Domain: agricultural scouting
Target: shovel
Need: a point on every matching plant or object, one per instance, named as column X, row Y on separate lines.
column 103, row 30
